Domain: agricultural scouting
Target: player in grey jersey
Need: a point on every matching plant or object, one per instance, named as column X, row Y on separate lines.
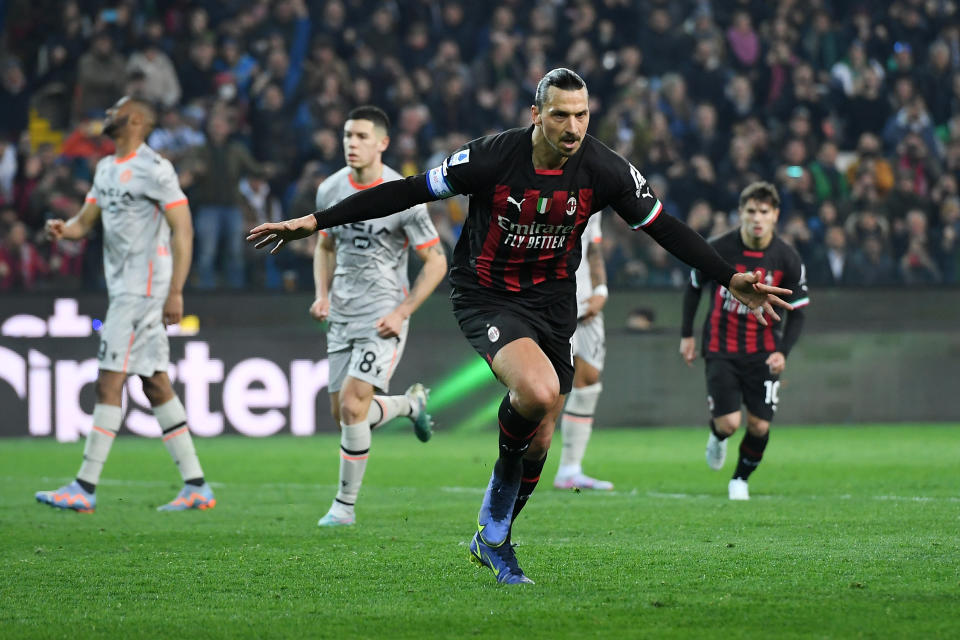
column 589, row 352
column 360, row 272
column 136, row 194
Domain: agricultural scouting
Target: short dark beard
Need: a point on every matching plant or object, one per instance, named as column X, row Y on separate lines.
column 112, row 127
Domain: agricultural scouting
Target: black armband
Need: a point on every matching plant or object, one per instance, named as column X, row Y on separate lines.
column 687, row 245
column 376, row 202
column 691, row 299
column 791, row 332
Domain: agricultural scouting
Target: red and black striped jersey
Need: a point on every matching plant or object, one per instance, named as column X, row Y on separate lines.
column 523, row 229
column 730, row 329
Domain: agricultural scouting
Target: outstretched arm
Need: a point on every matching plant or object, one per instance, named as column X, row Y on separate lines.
column 687, row 245
column 377, row 202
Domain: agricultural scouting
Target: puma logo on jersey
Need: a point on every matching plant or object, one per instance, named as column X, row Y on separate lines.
column 512, row 201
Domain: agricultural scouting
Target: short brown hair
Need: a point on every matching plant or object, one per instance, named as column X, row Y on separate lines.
column 761, row 192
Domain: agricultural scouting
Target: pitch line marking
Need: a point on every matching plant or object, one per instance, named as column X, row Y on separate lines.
column 480, row 490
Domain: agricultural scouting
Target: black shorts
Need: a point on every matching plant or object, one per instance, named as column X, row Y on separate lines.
column 491, row 322
column 732, row 382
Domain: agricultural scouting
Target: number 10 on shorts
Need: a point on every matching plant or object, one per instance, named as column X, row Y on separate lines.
column 773, row 392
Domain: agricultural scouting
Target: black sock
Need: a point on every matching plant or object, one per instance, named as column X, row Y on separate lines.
column 720, row 436
column 751, row 453
column 528, row 482
column 89, row 488
column 516, row 432
column 197, row 482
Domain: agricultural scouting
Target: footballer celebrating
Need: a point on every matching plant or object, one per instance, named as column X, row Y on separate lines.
column 360, row 273
column 147, row 245
column 532, row 191
column 744, row 359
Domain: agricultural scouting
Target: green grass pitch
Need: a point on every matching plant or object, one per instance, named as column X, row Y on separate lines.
column 852, row 532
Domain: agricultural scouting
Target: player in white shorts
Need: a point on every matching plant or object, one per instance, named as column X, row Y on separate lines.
column 360, row 272
column 589, row 350
column 147, row 245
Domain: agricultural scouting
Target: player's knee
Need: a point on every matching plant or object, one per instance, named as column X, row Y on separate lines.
column 757, row 427
column 727, row 424
column 539, row 396
column 109, row 390
column 155, row 392
column 353, row 408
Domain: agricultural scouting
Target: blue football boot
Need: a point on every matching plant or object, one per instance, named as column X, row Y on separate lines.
column 71, row 497
column 501, row 560
column 496, row 511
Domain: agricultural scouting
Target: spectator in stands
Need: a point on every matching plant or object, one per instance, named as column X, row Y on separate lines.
column 87, row 141
column 874, row 265
column 175, row 136
column 864, row 224
column 101, row 72
column 828, row 182
column 740, row 103
column 215, row 170
column 8, row 172
column 850, row 72
column 196, row 73
column 821, row 42
column 915, row 157
column 14, row 99
column 827, row 216
column 274, row 140
column 935, row 81
column 665, row 96
column 831, row 265
column 20, row 262
column 870, row 158
column 917, row 266
column 911, row 119
column 743, row 41
column 161, row 85
column 705, row 136
column 947, row 240
column 868, row 108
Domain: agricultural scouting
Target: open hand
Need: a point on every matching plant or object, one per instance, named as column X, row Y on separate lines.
column 282, row 232
column 760, row 298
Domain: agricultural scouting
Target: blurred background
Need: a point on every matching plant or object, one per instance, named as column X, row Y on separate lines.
column 851, row 107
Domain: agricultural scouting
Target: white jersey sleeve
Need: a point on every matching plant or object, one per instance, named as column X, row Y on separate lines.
column 165, row 186
column 419, row 227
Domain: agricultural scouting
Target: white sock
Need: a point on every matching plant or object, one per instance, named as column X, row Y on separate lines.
column 354, row 451
column 386, row 408
column 575, row 427
column 106, row 424
column 176, row 437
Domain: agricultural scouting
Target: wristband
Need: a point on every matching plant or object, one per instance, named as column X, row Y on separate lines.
column 601, row 290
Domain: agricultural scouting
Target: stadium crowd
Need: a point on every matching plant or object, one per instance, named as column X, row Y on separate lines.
column 851, row 107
